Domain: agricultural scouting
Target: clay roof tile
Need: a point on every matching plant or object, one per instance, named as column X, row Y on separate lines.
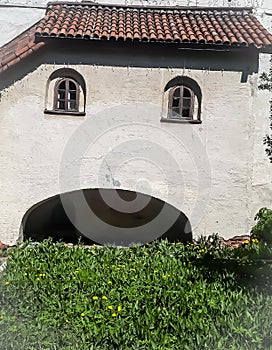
column 86, row 20
column 214, row 26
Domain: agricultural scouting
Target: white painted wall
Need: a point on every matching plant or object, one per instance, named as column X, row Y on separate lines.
column 218, row 194
column 235, row 119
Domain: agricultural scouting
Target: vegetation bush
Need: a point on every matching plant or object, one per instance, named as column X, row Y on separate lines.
column 266, row 84
column 263, row 229
column 159, row 296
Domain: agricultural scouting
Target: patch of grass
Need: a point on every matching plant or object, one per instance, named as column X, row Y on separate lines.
column 160, row 296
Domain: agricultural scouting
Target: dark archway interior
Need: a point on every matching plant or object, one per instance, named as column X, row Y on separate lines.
column 116, row 218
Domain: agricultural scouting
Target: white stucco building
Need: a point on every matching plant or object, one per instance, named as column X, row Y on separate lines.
column 161, row 101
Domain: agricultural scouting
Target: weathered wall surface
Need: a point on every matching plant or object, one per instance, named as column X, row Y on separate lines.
column 235, row 119
column 209, row 171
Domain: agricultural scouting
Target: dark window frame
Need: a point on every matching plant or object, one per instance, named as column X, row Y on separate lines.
column 67, row 99
column 194, row 115
column 181, row 109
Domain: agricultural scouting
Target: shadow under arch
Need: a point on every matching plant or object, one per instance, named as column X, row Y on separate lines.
column 48, row 218
column 69, row 73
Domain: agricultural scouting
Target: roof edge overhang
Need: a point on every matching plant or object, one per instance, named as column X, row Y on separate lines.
column 177, row 45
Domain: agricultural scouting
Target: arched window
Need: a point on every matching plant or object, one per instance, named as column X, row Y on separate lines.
column 65, row 93
column 66, row 96
column 182, row 101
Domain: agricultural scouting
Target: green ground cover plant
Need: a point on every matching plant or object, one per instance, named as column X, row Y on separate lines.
column 161, row 296
column 263, row 228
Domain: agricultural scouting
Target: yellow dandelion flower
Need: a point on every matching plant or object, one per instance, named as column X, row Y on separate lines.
column 104, row 297
column 119, row 308
column 7, row 283
column 155, row 271
column 109, row 282
column 110, row 307
column 95, row 297
column 164, row 308
column 255, row 240
column 164, row 276
column 117, row 268
column 37, row 278
column 82, row 314
column 114, row 315
column 67, row 321
column 246, row 241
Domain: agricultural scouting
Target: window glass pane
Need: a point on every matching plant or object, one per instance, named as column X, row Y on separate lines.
column 186, row 113
column 176, row 92
column 72, row 95
column 186, row 92
column 175, row 102
column 61, row 94
column 175, row 109
column 62, row 85
column 61, row 104
column 186, row 103
column 72, row 105
column 175, row 113
column 72, row 86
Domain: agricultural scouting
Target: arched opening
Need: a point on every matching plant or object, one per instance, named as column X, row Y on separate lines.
column 65, row 93
column 105, row 216
column 182, row 99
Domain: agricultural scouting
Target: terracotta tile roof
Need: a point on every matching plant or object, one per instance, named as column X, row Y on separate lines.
column 214, row 26
column 187, row 26
column 18, row 49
